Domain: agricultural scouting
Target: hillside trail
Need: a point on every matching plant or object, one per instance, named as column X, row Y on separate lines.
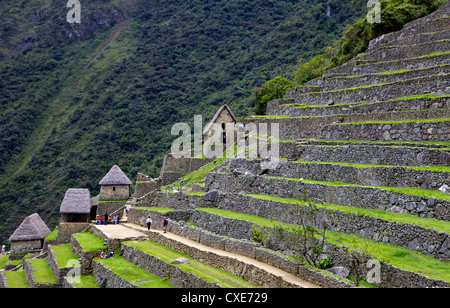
column 271, row 269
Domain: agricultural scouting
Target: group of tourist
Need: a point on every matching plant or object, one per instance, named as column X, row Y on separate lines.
column 165, row 223
column 106, row 219
column 104, row 255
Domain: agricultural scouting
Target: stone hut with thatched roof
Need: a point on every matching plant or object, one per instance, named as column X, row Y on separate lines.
column 76, row 205
column 30, row 235
column 75, row 213
column 114, row 191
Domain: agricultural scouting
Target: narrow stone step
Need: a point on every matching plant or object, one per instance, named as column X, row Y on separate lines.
column 424, row 102
column 436, row 84
column 343, row 82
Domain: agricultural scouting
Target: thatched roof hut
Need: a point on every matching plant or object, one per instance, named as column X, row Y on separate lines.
column 76, row 201
column 31, row 229
column 115, row 176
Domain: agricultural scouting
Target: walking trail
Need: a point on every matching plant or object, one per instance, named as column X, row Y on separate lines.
column 124, row 231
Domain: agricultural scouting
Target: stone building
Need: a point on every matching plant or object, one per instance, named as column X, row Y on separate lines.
column 75, row 213
column 115, row 185
column 216, row 130
column 114, row 192
column 29, row 235
column 76, row 205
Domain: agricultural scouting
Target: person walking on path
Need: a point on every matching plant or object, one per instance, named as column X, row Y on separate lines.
column 106, row 218
column 149, row 222
column 165, row 223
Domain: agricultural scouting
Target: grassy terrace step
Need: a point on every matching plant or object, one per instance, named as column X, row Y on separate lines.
column 17, row 279
column 399, row 51
column 439, row 225
column 417, row 102
column 90, row 242
column 366, row 154
column 413, row 200
column 417, row 191
column 205, row 271
column 64, row 254
column 43, row 274
column 400, row 257
column 431, row 59
column 358, row 80
column 363, row 174
column 87, row 281
column 399, row 143
column 392, row 117
column 133, row 273
column 373, row 92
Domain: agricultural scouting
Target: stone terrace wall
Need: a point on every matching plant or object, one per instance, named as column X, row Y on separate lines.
column 357, row 196
column 250, row 273
column 387, row 91
column 364, row 154
column 366, row 108
column 177, row 276
column 391, row 276
column 371, row 176
column 427, row 241
column 331, row 127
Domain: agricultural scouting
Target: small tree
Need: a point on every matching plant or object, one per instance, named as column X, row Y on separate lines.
column 258, row 235
column 307, row 237
column 272, row 89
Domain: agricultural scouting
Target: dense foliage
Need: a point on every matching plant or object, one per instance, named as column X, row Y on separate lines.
column 77, row 99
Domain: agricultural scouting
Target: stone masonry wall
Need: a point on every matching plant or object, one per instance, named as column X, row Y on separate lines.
column 357, row 196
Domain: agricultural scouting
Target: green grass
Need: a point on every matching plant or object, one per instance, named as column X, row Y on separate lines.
column 3, row 261
column 205, row 271
column 52, row 236
column 43, row 274
column 400, row 257
column 133, row 273
column 90, row 242
column 156, row 209
column 87, row 281
column 402, row 190
column 64, row 254
column 394, row 122
column 17, row 279
column 394, row 142
column 431, row 223
column 422, row 168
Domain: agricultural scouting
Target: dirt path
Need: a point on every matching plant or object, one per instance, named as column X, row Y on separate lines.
column 276, row 271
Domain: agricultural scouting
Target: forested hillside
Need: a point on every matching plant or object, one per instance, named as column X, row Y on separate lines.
column 76, row 99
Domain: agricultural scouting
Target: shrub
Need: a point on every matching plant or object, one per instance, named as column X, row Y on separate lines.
column 272, row 89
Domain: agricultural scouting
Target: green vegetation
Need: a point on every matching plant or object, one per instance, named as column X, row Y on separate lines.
column 90, row 242
column 431, row 223
column 43, row 274
column 430, row 168
column 3, row 261
column 400, row 257
column 17, row 279
column 205, row 271
column 64, row 254
column 134, row 273
column 402, row 190
column 52, row 236
column 87, row 281
column 271, row 90
column 156, row 209
column 71, row 107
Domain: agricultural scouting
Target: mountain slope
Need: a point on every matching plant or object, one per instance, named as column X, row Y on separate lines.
column 76, row 99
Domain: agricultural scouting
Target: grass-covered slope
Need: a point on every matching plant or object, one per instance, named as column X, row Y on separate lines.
column 77, row 99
